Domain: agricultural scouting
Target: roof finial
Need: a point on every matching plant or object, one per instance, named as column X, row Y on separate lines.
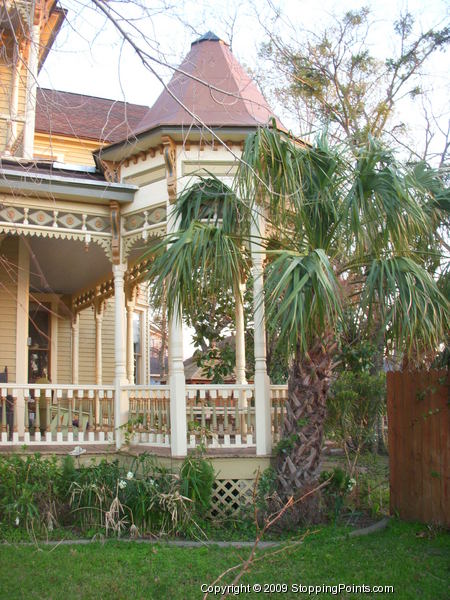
column 209, row 36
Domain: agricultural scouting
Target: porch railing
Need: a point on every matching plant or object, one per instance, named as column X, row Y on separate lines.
column 278, row 398
column 56, row 414
column 148, row 415
column 217, row 416
column 220, row 415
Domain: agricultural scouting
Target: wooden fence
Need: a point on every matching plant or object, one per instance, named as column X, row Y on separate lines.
column 419, row 445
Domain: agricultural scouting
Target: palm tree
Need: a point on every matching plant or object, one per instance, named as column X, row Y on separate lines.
column 340, row 232
column 205, row 256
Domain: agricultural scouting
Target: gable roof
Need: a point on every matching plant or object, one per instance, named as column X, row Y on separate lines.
column 87, row 117
column 213, row 85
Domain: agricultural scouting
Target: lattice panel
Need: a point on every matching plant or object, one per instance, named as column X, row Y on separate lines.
column 230, row 495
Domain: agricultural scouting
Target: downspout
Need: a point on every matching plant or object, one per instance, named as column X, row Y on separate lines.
column 30, row 100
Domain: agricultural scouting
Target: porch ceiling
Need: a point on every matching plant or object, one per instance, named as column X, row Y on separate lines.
column 64, row 266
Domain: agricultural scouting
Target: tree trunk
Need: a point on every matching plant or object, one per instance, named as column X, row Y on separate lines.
column 300, row 449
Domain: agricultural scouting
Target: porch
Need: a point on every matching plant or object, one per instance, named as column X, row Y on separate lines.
column 223, row 419
column 73, row 268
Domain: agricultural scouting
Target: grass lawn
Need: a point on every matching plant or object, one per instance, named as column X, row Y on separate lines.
column 412, row 558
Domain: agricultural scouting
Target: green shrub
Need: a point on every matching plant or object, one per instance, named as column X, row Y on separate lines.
column 197, row 479
column 335, row 492
column 28, row 496
column 38, row 494
column 267, row 484
column 355, row 403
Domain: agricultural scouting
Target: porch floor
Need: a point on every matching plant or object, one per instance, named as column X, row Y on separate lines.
column 96, row 449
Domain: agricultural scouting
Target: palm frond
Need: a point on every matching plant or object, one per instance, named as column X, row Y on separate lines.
column 409, row 302
column 298, row 183
column 210, row 200
column 195, row 263
column 381, row 206
column 302, row 297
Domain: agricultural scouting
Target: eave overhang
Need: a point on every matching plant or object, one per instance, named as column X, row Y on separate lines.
column 120, row 151
column 64, row 188
column 57, row 18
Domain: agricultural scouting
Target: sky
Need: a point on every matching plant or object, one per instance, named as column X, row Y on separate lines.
column 90, row 57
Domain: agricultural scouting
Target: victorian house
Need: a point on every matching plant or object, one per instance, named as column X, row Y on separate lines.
column 85, row 184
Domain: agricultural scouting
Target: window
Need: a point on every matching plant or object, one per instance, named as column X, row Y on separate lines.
column 137, row 347
column 38, row 341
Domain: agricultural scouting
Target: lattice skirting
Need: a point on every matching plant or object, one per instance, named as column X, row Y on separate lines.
column 230, row 496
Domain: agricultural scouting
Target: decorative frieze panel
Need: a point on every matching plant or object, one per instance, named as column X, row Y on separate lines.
column 41, row 217
column 47, row 222
column 62, row 234
column 22, row 215
column 142, row 219
column 143, row 225
column 142, row 236
column 147, row 176
column 12, row 214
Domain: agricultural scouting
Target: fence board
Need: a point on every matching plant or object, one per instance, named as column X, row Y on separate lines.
column 419, row 449
column 392, row 431
column 417, row 453
column 424, row 429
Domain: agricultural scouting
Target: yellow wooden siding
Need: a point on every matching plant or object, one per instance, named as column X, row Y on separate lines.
column 22, row 91
column 64, row 149
column 87, row 346
column 9, row 251
column 64, row 351
column 5, row 94
column 5, row 87
column 5, row 101
column 3, row 133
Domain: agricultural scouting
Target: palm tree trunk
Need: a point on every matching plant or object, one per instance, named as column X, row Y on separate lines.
column 300, row 449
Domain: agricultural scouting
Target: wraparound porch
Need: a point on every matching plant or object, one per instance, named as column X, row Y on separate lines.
column 220, row 418
column 85, row 254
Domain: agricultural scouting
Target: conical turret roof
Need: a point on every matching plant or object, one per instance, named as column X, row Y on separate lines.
column 211, row 84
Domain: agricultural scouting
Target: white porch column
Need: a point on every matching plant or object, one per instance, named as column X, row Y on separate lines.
column 262, row 383
column 98, row 345
column 120, row 373
column 23, row 286
column 240, row 353
column 53, row 372
column 240, row 336
column 177, row 385
column 75, row 347
column 99, row 308
column 177, row 382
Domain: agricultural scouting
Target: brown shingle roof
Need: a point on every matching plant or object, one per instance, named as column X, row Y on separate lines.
column 87, row 117
column 210, row 60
